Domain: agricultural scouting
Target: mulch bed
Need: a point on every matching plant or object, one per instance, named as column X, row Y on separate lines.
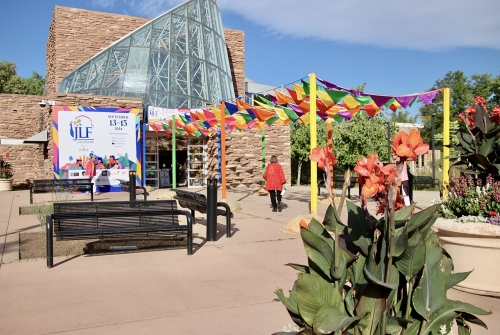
column 32, row 245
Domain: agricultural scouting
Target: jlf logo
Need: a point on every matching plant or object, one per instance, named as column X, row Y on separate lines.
column 79, row 131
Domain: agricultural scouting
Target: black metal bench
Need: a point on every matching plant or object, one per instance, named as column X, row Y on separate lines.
column 83, row 220
column 424, row 181
column 338, row 182
column 61, row 185
column 197, row 202
column 125, row 185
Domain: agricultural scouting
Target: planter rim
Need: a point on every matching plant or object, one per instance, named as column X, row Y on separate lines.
column 470, row 228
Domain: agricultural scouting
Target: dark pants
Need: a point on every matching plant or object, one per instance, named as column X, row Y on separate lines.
column 406, row 187
column 273, row 195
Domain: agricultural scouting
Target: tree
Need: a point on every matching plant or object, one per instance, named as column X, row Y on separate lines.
column 463, row 92
column 11, row 83
column 358, row 137
column 301, row 145
column 401, row 116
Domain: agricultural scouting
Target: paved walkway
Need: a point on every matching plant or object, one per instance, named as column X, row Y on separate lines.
column 226, row 287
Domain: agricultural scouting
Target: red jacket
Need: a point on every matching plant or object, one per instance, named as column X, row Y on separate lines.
column 274, row 176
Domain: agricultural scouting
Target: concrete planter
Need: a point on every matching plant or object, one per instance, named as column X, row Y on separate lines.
column 5, row 184
column 473, row 246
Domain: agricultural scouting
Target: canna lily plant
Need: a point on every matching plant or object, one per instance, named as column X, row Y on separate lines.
column 384, row 274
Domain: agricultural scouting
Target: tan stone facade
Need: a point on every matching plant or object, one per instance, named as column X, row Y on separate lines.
column 75, row 36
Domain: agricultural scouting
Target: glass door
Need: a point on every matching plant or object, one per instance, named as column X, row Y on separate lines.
column 197, row 161
column 152, row 168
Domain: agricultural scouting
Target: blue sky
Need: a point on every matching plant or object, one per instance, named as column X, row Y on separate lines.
column 395, row 46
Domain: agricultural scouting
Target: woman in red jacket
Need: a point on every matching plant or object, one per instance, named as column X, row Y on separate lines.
column 275, row 178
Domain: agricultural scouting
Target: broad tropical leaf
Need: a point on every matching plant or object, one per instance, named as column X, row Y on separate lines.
column 329, row 319
column 373, row 302
column 359, row 230
column 430, row 294
column 298, row 267
column 290, row 302
column 318, row 251
column 313, row 292
column 421, row 218
column 401, row 242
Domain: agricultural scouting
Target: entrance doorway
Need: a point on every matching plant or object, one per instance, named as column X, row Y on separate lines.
column 165, row 159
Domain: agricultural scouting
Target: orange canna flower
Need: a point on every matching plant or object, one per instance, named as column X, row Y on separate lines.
column 409, row 145
column 323, row 157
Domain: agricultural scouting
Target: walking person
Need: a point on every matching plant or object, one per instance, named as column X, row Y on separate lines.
column 90, row 171
column 275, row 179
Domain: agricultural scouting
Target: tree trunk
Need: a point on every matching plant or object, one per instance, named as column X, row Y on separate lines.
column 299, row 168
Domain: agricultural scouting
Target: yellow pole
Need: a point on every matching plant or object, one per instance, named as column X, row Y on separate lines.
column 312, row 114
column 446, row 136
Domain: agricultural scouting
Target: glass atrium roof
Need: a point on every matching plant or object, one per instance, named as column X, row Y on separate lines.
column 177, row 60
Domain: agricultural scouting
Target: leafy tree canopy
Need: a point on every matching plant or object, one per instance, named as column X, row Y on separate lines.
column 463, row 91
column 11, row 83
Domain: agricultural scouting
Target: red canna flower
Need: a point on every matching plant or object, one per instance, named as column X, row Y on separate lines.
column 495, row 116
column 480, row 101
column 323, row 157
column 409, row 145
column 493, row 213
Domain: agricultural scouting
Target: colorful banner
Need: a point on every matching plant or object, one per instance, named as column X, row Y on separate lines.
column 111, row 135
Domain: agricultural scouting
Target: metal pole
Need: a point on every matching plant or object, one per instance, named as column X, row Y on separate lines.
column 174, row 153
column 49, row 242
column 446, row 137
column 388, row 142
column 432, row 143
column 211, row 209
column 131, row 185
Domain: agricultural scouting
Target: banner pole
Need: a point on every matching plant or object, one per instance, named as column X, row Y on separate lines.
column 312, row 114
column 446, row 137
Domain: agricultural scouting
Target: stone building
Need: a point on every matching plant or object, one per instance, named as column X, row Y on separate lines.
column 78, row 37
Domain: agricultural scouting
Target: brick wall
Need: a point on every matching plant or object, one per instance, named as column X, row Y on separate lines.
column 34, row 161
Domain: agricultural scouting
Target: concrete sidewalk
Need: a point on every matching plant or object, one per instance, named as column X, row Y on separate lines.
column 226, row 287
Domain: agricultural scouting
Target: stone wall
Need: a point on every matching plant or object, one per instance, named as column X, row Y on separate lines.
column 22, row 117
column 244, row 152
column 235, row 43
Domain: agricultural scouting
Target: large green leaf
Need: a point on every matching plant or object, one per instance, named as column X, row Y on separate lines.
column 401, row 242
column 430, row 294
column 474, row 319
column 290, row 302
column 318, row 251
column 487, row 146
column 463, row 327
column 466, row 141
column 394, row 324
column 413, row 328
column 359, row 230
column 313, row 292
column 349, row 301
column 377, row 278
column 357, row 267
column 298, row 267
column 413, row 259
column 317, row 228
column 332, row 220
column 421, row 218
column 372, row 301
column 329, row 319
column 450, row 310
column 342, row 268
column 404, row 213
